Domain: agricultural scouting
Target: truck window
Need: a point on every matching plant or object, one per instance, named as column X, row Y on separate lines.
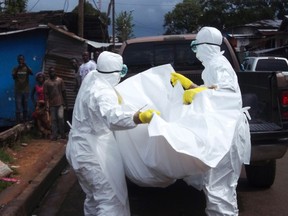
column 141, row 56
column 163, row 54
column 271, row 65
column 144, row 55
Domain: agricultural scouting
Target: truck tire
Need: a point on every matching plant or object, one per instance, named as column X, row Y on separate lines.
column 261, row 174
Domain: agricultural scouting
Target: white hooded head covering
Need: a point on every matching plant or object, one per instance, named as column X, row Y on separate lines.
column 109, row 66
column 218, row 70
column 211, row 36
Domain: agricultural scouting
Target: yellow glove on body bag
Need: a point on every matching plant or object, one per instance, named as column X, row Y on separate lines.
column 146, row 116
column 185, row 82
column 189, row 95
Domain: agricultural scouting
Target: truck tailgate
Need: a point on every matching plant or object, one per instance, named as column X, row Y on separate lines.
column 260, row 92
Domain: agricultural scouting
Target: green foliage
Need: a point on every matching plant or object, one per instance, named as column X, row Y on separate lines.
column 4, row 157
column 4, row 185
column 124, row 26
column 190, row 15
column 184, row 18
column 222, row 14
column 15, row 6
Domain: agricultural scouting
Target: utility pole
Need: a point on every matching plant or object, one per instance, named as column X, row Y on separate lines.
column 113, row 23
column 100, row 5
column 81, row 18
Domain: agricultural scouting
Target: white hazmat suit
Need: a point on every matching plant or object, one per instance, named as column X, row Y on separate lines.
column 92, row 150
column 220, row 183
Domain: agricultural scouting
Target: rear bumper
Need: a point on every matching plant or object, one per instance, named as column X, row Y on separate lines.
column 269, row 150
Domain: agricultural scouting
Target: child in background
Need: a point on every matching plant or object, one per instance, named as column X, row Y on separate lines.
column 38, row 88
column 40, row 115
column 42, row 119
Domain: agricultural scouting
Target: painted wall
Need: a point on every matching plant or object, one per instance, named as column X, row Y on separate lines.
column 32, row 44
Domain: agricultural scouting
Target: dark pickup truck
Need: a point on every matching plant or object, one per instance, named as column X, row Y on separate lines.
column 265, row 92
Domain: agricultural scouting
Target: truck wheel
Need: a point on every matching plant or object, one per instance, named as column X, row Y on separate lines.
column 261, row 174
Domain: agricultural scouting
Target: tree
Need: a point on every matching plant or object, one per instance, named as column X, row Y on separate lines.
column 14, row 6
column 215, row 13
column 184, row 18
column 124, row 26
column 190, row 15
column 223, row 14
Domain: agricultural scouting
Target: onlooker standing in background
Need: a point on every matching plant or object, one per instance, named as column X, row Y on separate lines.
column 75, row 66
column 20, row 75
column 87, row 65
column 96, row 54
column 55, row 100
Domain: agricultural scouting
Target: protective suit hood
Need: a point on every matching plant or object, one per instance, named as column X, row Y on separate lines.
column 205, row 52
column 209, row 35
column 109, row 66
column 218, row 70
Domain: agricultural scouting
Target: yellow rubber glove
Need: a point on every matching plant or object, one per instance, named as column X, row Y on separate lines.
column 189, row 95
column 146, row 116
column 185, row 82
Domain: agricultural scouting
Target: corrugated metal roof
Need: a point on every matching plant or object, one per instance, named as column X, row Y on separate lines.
column 100, row 45
column 266, row 24
column 9, row 22
column 65, row 32
column 24, row 30
column 94, row 44
column 94, row 29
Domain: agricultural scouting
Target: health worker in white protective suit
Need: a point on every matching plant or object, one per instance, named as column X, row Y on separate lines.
column 219, row 183
column 92, row 150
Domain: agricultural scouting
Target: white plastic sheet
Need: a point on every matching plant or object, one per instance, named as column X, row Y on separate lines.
column 185, row 140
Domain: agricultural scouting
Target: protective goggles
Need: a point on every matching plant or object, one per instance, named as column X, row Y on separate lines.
column 194, row 45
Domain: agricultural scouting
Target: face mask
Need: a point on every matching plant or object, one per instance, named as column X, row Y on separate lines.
column 112, row 78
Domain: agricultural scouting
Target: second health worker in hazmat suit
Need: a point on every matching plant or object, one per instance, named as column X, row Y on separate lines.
column 220, row 182
column 92, row 149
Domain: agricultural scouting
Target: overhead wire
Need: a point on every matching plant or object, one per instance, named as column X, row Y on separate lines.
column 96, row 5
column 141, row 25
column 34, row 6
column 66, row 3
column 141, row 4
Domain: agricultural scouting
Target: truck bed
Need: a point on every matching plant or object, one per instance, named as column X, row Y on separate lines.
column 259, row 91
